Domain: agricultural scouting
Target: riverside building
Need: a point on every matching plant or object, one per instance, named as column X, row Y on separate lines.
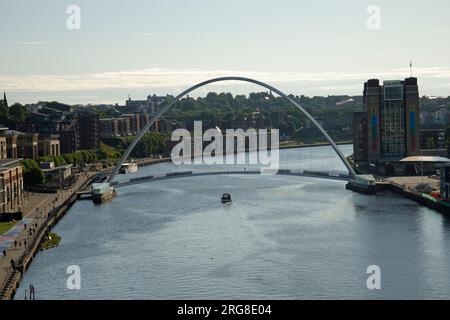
column 391, row 125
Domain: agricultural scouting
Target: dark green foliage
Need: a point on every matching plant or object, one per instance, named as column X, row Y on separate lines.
column 151, row 143
column 32, row 174
column 263, row 110
column 107, row 152
column 76, row 158
column 12, row 115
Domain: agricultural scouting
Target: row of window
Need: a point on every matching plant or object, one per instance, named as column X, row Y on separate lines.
column 393, row 142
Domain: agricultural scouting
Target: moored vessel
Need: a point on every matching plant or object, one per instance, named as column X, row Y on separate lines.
column 128, row 167
column 102, row 192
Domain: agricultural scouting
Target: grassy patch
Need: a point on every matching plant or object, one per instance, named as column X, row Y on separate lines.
column 5, row 226
column 52, row 241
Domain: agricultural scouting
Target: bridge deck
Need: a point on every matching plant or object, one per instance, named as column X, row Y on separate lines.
column 184, row 174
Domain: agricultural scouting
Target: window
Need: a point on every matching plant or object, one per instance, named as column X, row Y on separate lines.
column 393, row 93
column 393, row 138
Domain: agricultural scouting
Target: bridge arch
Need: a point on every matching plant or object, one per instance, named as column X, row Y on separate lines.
column 141, row 133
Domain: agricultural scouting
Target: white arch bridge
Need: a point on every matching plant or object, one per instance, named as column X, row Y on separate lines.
column 349, row 175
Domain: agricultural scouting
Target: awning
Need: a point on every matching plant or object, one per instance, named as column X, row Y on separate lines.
column 426, row 159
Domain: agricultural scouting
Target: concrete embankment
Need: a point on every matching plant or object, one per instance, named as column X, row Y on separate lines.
column 421, row 198
column 406, row 187
column 313, row 145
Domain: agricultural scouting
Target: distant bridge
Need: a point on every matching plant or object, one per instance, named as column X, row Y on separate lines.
column 199, row 172
column 184, row 174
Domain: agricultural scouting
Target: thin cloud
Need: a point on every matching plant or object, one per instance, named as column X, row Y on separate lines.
column 150, row 34
column 178, row 78
column 23, row 43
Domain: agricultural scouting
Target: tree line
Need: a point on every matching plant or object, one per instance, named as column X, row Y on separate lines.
column 33, row 175
column 152, row 143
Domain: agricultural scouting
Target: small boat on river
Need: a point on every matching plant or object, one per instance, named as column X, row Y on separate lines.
column 226, row 198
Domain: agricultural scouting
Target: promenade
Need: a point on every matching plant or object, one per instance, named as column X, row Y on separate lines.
column 410, row 183
column 22, row 240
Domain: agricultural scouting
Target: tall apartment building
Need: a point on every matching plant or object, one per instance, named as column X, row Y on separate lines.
column 392, row 119
column 88, row 129
column 109, row 127
column 360, row 148
column 115, row 127
column 69, row 140
column 134, row 120
column 144, row 119
column 124, row 127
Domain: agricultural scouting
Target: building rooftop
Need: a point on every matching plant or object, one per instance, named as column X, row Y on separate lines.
column 63, row 167
column 13, row 132
column 4, row 163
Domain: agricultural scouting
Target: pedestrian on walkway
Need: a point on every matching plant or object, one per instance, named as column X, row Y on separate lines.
column 15, row 243
column 4, row 253
column 24, row 225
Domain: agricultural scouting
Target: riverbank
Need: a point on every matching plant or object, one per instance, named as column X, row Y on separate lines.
column 41, row 212
column 406, row 187
column 143, row 162
column 311, row 145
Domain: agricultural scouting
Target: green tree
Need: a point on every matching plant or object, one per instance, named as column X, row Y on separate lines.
column 69, row 158
column 32, row 174
column 4, row 115
column 107, row 153
column 17, row 113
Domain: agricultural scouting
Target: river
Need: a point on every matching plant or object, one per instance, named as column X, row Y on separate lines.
column 283, row 237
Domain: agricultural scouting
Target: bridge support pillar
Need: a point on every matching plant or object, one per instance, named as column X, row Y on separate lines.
column 366, row 184
column 363, row 188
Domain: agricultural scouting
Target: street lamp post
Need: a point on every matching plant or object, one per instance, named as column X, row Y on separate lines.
column 421, row 163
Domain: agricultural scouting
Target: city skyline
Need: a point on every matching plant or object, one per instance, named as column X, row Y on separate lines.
column 222, row 157
column 305, row 49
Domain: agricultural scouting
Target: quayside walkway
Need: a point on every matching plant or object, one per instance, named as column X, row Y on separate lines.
column 23, row 240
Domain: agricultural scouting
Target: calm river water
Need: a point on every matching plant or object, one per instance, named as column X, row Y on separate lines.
column 282, row 237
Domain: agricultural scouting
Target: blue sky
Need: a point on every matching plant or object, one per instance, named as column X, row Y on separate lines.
column 141, row 47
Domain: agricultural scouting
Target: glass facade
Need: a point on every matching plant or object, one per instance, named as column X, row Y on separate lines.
column 393, row 122
column 393, row 93
column 393, row 138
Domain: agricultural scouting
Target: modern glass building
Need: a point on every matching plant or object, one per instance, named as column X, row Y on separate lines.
column 392, row 119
